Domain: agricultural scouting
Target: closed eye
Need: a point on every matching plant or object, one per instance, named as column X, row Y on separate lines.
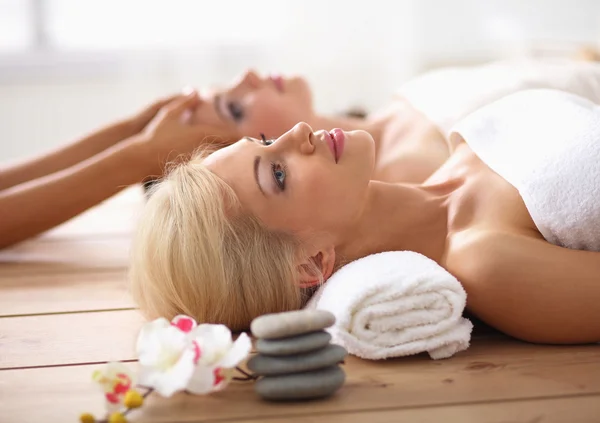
column 235, row 111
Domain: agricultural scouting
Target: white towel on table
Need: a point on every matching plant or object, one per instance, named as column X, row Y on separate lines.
column 395, row 304
column 546, row 143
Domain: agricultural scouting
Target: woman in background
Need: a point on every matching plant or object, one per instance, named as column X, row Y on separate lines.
column 410, row 134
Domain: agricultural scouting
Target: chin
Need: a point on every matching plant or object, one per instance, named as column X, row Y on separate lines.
column 363, row 137
column 300, row 87
column 365, row 143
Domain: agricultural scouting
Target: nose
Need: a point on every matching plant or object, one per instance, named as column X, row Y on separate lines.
column 299, row 138
column 251, row 79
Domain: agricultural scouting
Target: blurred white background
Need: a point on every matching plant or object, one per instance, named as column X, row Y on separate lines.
column 69, row 66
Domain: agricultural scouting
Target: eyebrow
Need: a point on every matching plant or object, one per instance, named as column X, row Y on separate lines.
column 256, row 167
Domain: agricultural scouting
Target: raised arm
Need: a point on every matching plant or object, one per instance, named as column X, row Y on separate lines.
column 80, row 150
column 533, row 290
column 31, row 208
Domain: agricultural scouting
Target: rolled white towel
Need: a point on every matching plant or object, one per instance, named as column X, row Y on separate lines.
column 395, row 304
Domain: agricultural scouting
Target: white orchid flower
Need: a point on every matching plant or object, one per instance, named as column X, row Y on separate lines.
column 219, row 356
column 115, row 379
column 166, row 355
column 180, row 355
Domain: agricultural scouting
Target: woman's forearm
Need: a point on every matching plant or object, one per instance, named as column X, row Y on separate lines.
column 66, row 156
column 34, row 207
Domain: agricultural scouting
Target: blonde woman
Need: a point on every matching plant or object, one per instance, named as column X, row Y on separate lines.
column 251, row 228
column 410, row 134
column 411, row 130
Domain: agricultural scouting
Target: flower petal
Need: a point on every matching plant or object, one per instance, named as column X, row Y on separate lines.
column 161, row 342
column 222, row 378
column 202, row 381
column 113, row 398
column 113, row 376
column 197, row 352
column 148, row 341
column 117, row 370
column 218, row 335
column 171, row 380
column 214, row 342
column 184, row 323
column 237, row 353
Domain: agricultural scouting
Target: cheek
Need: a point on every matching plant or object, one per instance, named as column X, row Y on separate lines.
column 327, row 202
column 271, row 116
column 206, row 115
column 301, row 94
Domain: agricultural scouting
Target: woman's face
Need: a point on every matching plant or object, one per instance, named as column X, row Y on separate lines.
column 255, row 105
column 308, row 183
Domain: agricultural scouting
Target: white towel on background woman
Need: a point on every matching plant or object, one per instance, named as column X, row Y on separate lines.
column 447, row 95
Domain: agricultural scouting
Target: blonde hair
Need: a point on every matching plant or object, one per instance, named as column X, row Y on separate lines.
column 196, row 252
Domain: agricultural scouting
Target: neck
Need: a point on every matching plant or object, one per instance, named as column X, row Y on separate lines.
column 400, row 217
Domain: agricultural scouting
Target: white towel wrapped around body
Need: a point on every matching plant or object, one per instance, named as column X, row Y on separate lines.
column 395, row 304
column 546, row 143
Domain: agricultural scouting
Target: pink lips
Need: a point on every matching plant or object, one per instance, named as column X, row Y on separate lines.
column 335, row 139
column 339, row 139
column 278, row 81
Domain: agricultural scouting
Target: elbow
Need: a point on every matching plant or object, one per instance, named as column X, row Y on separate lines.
column 551, row 334
column 538, row 325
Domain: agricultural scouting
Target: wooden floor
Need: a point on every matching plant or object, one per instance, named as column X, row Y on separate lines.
column 64, row 310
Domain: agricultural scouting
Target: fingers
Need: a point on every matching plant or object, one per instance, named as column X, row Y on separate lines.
column 164, row 101
column 178, row 106
column 159, row 104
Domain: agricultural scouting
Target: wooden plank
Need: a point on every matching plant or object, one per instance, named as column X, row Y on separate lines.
column 68, row 338
column 97, row 239
column 33, row 258
column 490, row 371
column 553, row 410
column 59, row 293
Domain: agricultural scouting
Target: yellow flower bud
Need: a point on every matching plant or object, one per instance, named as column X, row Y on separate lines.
column 133, row 399
column 117, row 418
column 87, row 418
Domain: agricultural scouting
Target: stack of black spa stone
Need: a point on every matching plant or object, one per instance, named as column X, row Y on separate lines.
column 295, row 358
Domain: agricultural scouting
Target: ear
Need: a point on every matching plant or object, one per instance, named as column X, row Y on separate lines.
column 323, row 262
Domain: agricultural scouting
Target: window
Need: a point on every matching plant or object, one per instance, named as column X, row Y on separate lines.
column 92, row 25
column 16, row 28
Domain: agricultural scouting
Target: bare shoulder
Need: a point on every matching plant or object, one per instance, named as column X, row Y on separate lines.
column 474, row 253
column 527, row 287
column 491, row 256
column 479, row 253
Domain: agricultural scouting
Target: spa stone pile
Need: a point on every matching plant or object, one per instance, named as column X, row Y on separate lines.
column 295, row 358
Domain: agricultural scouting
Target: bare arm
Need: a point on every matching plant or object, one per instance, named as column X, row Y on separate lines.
column 31, row 208
column 533, row 290
column 80, row 150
